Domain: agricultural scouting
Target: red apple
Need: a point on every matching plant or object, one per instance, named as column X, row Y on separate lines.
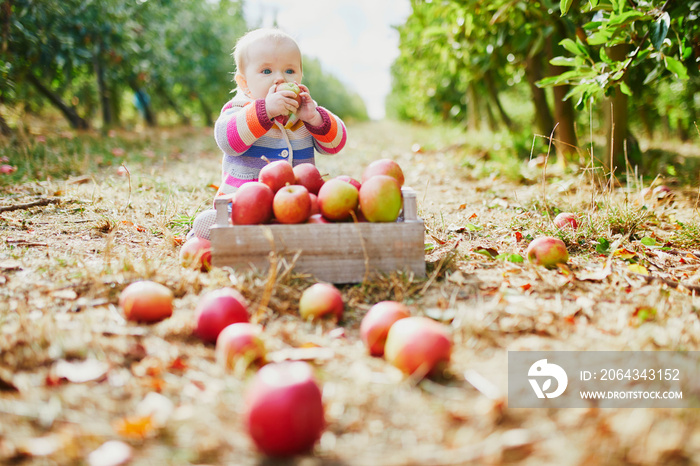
column 307, row 175
column 284, row 409
column 566, row 220
column 314, row 204
column 383, row 167
column 252, row 204
column 350, row 180
column 239, row 342
column 547, row 251
column 376, row 323
column 196, row 253
column 277, row 175
column 317, row 218
column 217, row 310
column 146, row 301
column 418, row 346
column 320, row 300
column 337, row 199
column 292, row 204
column 380, row 199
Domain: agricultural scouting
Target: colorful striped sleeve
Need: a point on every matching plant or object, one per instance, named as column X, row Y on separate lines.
column 331, row 135
column 237, row 128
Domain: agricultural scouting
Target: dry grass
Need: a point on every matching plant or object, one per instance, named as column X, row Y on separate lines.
column 63, row 265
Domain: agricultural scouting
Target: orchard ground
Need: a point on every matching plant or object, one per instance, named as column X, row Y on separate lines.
column 74, row 374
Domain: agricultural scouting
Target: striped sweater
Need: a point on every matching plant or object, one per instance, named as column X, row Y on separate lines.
column 245, row 134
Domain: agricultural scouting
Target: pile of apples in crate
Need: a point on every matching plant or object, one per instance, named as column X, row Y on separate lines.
column 284, row 410
column 291, row 195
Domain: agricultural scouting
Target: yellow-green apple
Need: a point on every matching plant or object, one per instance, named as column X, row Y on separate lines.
column 146, row 301
column 307, row 175
column 380, row 199
column 419, row 346
column 383, row 167
column 566, row 220
column 319, row 300
column 284, row 409
column 196, row 253
column 292, row 204
column 290, row 87
column 239, row 343
column 350, row 180
column 218, row 309
column 277, row 175
column 377, row 322
column 252, row 204
column 337, row 199
column 547, row 251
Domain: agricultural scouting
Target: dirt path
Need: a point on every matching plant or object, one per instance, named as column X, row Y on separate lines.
column 74, row 374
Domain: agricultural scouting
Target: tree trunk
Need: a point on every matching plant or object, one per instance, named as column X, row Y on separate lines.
column 184, row 119
column 619, row 145
column 474, row 116
column 4, row 127
column 543, row 116
column 75, row 120
column 493, row 94
column 145, row 105
column 206, row 110
column 102, row 90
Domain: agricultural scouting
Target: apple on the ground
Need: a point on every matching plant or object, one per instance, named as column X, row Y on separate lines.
column 239, row 344
column 418, row 346
column 547, row 251
column 284, row 409
column 252, row 204
column 292, row 204
column 277, row 175
column 196, row 253
column 320, row 300
column 380, row 199
column 307, row 175
column 566, row 220
column 337, row 200
column 383, row 167
column 377, row 322
column 218, row 309
column 146, row 301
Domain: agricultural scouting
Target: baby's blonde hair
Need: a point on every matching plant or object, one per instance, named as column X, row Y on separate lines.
column 256, row 34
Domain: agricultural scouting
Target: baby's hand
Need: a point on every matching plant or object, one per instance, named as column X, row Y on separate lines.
column 280, row 103
column 307, row 110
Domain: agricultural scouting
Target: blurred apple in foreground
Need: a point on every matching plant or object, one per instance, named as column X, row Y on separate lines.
column 218, row 309
column 377, row 322
column 276, row 175
column 196, row 253
column 566, row 220
column 380, row 199
column 252, row 204
column 284, row 409
column 337, row 199
column 292, row 204
column 146, row 301
column 307, row 175
column 239, row 343
column 383, row 167
column 419, row 346
column 547, row 252
column 314, row 204
column 320, row 300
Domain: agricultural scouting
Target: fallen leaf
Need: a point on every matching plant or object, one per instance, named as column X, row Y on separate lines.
column 81, row 371
column 624, row 253
column 637, row 268
column 135, row 427
column 110, row 453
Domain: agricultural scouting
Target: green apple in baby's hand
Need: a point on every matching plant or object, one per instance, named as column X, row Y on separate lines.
column 294, row 87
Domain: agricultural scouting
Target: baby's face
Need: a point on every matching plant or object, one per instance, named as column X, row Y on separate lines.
column 270, row 62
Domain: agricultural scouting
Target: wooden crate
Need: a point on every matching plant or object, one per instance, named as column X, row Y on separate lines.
column 332, row 252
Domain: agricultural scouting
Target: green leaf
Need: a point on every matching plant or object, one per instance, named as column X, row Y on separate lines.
column 571, row 47
column 659, row 29
column 564, row 6
column 472, row 227
column 625, row 18
column 603, row 246
column 563, row 61
column 625, row 89
column 594, row 3
column 676, row 67
column 649, row 242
